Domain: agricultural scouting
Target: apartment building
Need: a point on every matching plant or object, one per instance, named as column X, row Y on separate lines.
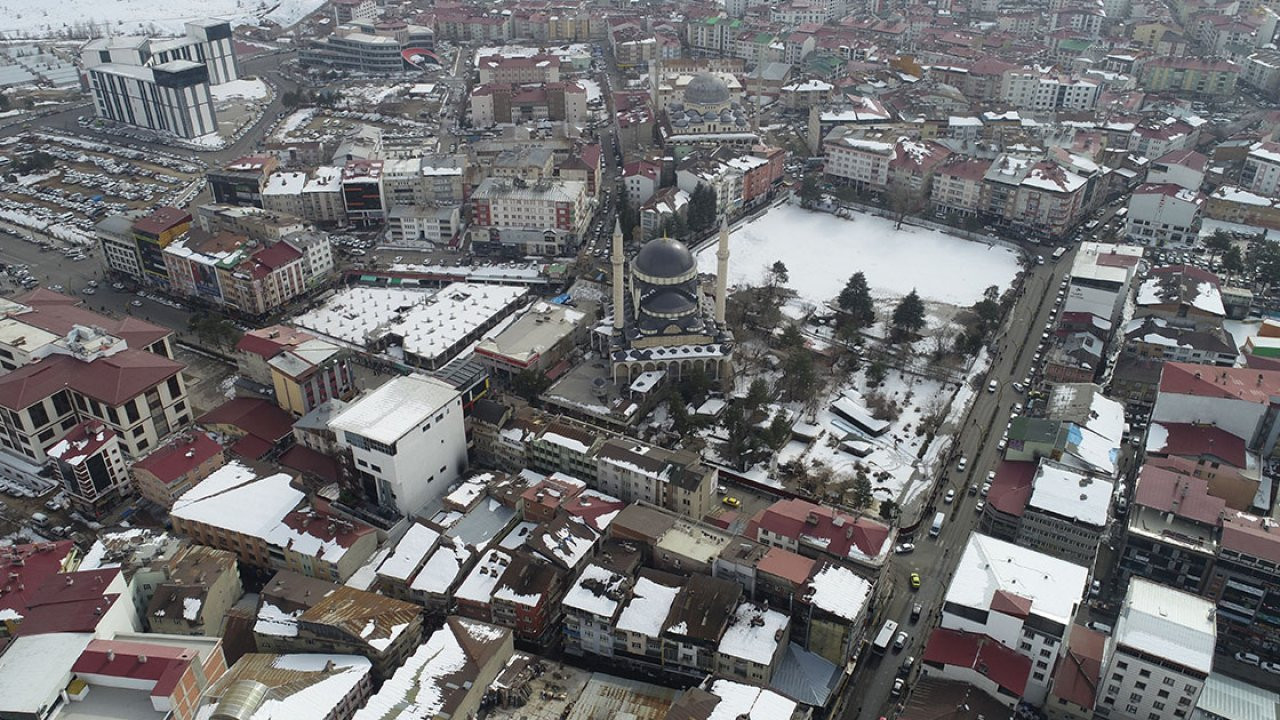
column 311, row 374
column 171, row 470
column 201, row 584
column 1195, row 76
column 1172, row 532
column 678, row 481
column 1164, row 214
column 91, row 467
column 1023, row 599
column 269, row 525
column 118, row 373
column 406, row 439
column 1067, row 514
column 548, row 217
column 1261, row 172
column 526, row 70
column 859, row 158
column 206, row 41
column 172, row 98
column 1147, row 674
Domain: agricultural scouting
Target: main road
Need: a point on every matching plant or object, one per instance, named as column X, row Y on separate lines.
column 868, row 697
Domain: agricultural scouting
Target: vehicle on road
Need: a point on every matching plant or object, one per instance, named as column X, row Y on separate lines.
column 907, row 663
column 986, row 488
column 993, row 386
column 904, row 548
column 884, row 637
column 901, row 641
column 915, row 581
column 899, row 685
column 937, row 524
column 979, row 506
column 731, row 501
column 1248, row 658
column 949, row 497
column 136, row 303
column 962, row 464
column 916, row 611
column 1273, row 668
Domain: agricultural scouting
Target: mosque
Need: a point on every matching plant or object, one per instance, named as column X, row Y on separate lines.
column 661, row 320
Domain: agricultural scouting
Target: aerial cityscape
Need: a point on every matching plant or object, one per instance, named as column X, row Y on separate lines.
column 648, row 360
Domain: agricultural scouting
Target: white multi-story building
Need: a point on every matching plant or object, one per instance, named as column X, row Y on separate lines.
column 1262, row 169
column 208, row 42
column 173, row 97
column 957, row 187
column 1029, row 89
column 1023, row 599
column 591, row 609
column 554, row 212
column 1067, row 513
column 1164, row 214
column 406, row 439
column 857, row 159
column 1161, row 653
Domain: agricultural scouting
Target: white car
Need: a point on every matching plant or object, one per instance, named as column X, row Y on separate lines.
column 961, row 465
column 949, row 497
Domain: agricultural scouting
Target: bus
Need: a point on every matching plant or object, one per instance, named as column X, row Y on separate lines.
column 1057, row 254
column 881, row 643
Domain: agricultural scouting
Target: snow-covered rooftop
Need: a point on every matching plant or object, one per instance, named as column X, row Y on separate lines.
column 754, row 634
column 442, row 568
column 417, row 542
column 598, row 591
column 739, row 701
column 839, row 591
column 647, row 611
column 1167, row 623
column 394, row 408
column 480, row 584
column 429, row 324
column 1054, row 586
column 1073, row 495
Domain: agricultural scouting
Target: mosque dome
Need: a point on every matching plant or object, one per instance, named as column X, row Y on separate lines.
column 706, row 89
column 664, row 259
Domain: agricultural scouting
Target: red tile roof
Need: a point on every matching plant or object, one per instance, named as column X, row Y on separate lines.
column 1080, row 669
column 82, row 441
column 1002, row 665
column 1011, row 489
column 787, row 565
column 591, row 506
column 111, row 380
column 1011, row 604
column 250, row 447
column 1252, row 536
column 261, row 343
column 1190, row 440
column 310, row 462
column 162, row 665
column 255, row 416
column 172, row 461
column 58, row 314
column 837, row 533
column 161, row 219
column 1186, row 496
column 33, row 564
column 70, row 602
column 277, row 256
column 327, row 527
column 1256, row 386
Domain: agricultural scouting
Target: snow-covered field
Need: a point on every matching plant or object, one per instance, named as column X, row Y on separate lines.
column 821, row 251
column 239, row 90
column 23, row 18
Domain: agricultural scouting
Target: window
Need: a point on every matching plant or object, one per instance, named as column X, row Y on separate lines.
column 131, row 410
column 1045, row 653
column 1168, row 681
column 39, row 417
column 1158, row 706
column 1140, row 686
column 1135, row 697
column 1144, row 673
column 1131, row 709
column 1163, row 694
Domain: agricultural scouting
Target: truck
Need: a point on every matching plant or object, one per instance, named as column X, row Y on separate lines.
column 885, row 637
column 937, row 524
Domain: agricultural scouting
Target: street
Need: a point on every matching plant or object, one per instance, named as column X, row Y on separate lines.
column 935, row 558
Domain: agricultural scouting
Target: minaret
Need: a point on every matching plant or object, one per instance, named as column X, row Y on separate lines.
column 617, row 277
column 722, row 271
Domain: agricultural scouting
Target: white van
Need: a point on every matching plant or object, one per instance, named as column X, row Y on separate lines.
column 40, row 519
column 936, row 528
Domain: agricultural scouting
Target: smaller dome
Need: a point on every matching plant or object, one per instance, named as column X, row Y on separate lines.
column 664, row 258
column 706, row 89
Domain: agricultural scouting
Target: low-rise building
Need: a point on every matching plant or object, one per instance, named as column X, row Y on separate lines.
column 1173, row 527
column 311, row 374
column 91, row 468
column 816, row 530
column 309, row 684
column 268, row 524
column 1163, row 214
column 447, row 676
column 538, row 340
column 299, row 613
column 201, row 585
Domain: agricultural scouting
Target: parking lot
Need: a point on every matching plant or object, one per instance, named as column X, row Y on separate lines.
column 62, row 185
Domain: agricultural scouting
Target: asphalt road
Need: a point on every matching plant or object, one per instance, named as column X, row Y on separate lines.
column 51, row 268
column 935, row 558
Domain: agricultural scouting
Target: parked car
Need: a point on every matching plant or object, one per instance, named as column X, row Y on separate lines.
column 1273, row 668
column 916, row 610
column 901, row 641
column 904, row 548
column 1248, row 658
column 950, row 496
column 899, row 685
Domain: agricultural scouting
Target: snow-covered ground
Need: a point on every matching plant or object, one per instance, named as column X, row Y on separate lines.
column 240, row 90
column 23, row 18
column 592, row 87
column 821, row 251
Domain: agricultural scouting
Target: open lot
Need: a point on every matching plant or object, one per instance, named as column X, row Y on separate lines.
column 824, row 250
column 88, row 180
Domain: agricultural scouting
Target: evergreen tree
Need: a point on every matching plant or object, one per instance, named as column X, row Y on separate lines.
column 908, row 316
column 855, row 301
